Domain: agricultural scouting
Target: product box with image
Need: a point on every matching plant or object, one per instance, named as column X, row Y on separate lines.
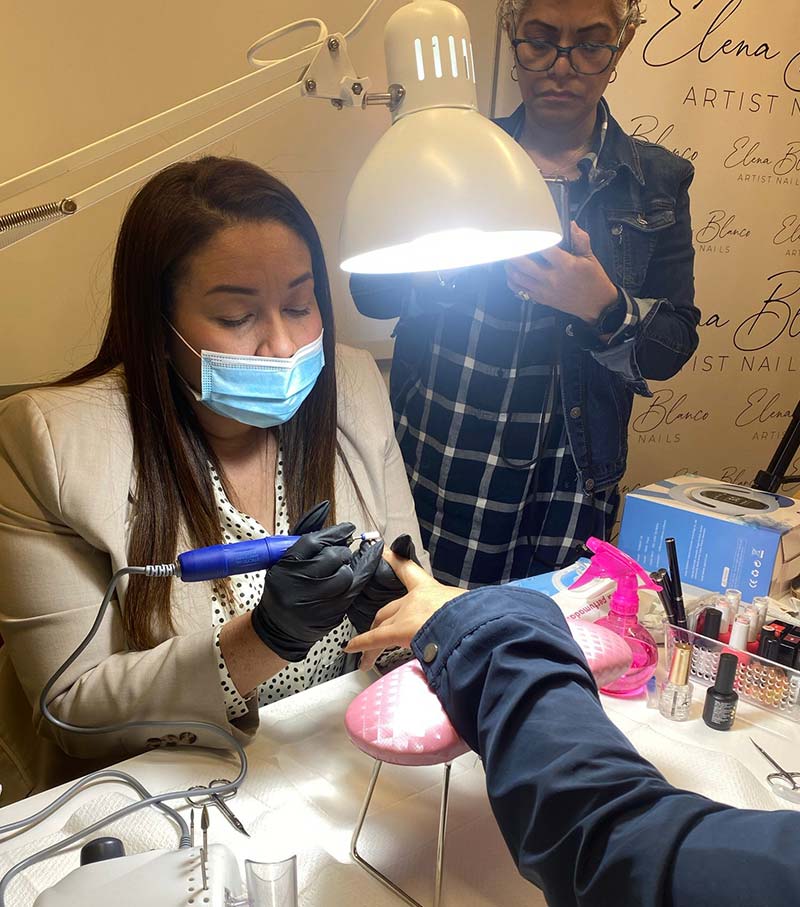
column 727, row 536
column 584, row 603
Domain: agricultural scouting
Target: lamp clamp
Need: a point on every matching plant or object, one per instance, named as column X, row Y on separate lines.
column 331, row 76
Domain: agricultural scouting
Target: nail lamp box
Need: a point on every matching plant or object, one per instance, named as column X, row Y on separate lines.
column 728, row 536
column 586, row 602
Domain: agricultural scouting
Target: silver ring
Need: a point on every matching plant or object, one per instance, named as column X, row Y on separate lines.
column 523, row 296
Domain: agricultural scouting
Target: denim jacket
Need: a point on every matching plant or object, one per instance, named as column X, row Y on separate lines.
column 637, row 216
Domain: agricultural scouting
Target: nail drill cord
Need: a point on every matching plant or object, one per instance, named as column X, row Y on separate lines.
column 164, row 571
column 159, row 800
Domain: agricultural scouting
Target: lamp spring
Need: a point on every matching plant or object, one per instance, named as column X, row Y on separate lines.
column 34, row 215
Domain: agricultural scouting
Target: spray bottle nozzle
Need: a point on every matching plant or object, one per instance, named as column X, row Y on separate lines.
column 609, row 561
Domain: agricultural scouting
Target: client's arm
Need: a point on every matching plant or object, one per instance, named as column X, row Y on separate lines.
column 585, row 817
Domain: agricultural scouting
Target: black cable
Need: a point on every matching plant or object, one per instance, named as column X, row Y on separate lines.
column 545, row 426
column 546, row 417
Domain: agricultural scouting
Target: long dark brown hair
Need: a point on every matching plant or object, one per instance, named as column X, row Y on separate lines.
column 169, row 219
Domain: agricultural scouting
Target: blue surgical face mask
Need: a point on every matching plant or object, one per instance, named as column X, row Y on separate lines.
column 257, row 390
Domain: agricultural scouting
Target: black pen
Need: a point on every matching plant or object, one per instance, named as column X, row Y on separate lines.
column 658, row 577
column 667, row 586
column 675, row 579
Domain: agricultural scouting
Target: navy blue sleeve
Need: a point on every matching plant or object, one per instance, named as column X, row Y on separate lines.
column 408, row 295
column 382, row 295
column 586, row 818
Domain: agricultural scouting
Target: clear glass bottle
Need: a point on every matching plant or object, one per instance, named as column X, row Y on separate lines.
column 675, row 701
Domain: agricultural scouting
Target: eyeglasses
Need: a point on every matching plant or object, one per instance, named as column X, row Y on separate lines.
column 586, row 59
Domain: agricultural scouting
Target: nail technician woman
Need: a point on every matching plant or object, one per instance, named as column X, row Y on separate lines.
column 159, row 445
column 586, row 818
column 512, row 386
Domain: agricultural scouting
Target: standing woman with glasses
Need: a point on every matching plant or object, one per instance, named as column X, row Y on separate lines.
column 512, row 384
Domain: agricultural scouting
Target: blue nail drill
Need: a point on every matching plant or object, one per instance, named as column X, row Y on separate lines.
column 218, row 561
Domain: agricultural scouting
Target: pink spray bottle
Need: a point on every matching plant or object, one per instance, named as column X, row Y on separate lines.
column 622, row 617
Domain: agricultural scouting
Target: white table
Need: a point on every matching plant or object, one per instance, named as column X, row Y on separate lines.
column 306, row 783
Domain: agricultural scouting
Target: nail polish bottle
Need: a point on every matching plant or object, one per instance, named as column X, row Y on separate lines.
column 734, row 597
column 727, row 613
column 755, row 626
column 787, row 651
column 704, row 660
column 772, row 648
column 765, row 637
column 719, row 710
column 676, row 695
column 740, row 633
column 761, row 604
column 712, row 625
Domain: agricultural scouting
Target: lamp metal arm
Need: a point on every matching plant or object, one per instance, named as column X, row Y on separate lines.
column 327, row 73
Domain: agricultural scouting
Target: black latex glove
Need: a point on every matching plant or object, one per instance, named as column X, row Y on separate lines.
column 312, row 520
column 308, row 591
column 383, row 587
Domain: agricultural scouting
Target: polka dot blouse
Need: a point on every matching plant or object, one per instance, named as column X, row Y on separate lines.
column 325, row 660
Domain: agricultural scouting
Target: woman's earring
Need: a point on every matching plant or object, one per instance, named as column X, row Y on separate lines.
column 514, row 73
column 613, row 77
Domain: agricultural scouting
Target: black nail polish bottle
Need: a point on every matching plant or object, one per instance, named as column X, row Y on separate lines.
column 720, row 706
column 712, row 623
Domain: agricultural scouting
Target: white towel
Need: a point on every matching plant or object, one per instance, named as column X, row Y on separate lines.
column 146, row 829
column 715, row 775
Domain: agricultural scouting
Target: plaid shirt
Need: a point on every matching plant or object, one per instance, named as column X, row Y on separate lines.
column 483, row 435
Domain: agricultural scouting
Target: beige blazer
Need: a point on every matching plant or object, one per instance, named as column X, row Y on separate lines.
column 66, row 471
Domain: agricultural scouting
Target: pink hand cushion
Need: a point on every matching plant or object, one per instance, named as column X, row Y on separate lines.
column 607, row 654
column 398, row 719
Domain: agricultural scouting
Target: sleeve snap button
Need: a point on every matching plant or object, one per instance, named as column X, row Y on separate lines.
column 430, row 652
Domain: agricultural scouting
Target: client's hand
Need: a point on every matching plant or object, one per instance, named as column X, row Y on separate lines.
column 308, row 591
column 398, row 622
column 383, row 587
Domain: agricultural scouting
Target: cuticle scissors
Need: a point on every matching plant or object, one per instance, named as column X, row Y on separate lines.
column 784, row 784
column 217, row 800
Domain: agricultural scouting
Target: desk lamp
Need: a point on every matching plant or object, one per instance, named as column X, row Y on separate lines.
column 443, row 188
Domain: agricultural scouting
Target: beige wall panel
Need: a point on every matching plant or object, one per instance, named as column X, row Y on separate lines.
column 719, row 82
column 73, row 73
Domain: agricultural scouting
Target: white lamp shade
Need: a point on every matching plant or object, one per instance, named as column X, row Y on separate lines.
column 428, row 50
column 445, row 188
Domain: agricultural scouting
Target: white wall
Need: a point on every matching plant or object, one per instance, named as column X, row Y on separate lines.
column 78, row 72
